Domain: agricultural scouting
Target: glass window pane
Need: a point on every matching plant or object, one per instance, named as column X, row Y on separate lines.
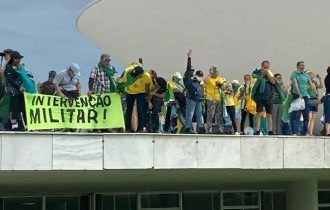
column 279, row 200
column 62, row 203
column 104, row 202
column 84, row 202
column 232, row 199
column 23, row 203
column 126, row 202
column 160, row 200
column 324, row 208
column 324, row 197
column 266, row 201
column 201, row 201
column 251, row 198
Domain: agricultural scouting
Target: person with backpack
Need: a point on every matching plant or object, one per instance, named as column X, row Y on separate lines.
column 195, row 97
column 48, row 87
column 262, row 95
column 214, row 101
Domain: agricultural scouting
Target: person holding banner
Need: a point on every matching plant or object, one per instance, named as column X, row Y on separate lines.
column 67, row 82
column 102, row 77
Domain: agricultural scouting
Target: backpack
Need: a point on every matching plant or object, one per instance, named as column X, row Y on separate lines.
column 197, row 91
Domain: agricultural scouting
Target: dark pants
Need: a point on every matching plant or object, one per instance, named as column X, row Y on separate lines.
column 141, row 110
column 157, row 107
column 17, row 107
column 295, row 119
column 231, row 113
column 244, row 115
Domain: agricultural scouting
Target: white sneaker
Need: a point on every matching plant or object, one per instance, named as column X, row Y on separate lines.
column 237, row 133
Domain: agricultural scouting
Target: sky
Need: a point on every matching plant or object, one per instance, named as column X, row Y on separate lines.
column 45, row 32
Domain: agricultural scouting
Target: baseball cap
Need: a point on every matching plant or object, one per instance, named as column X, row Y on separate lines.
column 75, row 68
column 8, row 50
column 235, row 82
column 16, row 55
column 177, row 75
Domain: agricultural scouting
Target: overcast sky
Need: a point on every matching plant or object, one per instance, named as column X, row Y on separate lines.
column 45, row 32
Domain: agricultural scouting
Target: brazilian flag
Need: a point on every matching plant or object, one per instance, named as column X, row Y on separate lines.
column 4, row 106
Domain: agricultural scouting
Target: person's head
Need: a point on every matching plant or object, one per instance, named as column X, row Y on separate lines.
column 153, row 74
column 265, row 66
column 235, row 85
column 15, row 58
column 311, row 74
column 247, row 78
column 105, row 59
column 7, row 53
column 51, row 75
column 328, row 70
column 176, row 77
column 301, row 66
column 74, row 70
column 214, row 72
column 278, row 78
column 199, row 75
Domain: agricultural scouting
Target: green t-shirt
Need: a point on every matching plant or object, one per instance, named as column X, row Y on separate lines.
column 303, row 82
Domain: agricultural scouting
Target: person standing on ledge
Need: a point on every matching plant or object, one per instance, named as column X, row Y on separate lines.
column 300, row 82
column 195, row 97
column 102, row 77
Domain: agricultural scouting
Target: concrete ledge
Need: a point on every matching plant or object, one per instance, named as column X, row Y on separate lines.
column 71, row 151
column 128, row 152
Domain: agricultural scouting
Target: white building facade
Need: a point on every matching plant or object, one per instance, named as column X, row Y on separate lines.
column 42, row 171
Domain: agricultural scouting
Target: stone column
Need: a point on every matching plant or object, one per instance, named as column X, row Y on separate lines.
column 303, row 195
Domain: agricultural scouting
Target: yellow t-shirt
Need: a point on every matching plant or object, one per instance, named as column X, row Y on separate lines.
column 139, row 85
column 230, row 100
column 211, row 89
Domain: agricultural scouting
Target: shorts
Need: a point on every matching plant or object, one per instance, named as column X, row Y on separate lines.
column 326, row 104
column 267, row 104
column 313, row 105
column 238, row 114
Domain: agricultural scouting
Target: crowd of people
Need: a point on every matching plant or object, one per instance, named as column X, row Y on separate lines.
column 189, row 102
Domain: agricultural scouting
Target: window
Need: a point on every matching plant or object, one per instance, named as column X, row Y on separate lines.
column 240, row 200
column 105, row 202
column 324, row 199
column 126, row 202
column 67, row 202
column 160, row 200
column 201, row 201
column 22, row 203
column 273, row 201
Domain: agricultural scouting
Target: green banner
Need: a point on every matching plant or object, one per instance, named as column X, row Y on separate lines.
column 95, row 112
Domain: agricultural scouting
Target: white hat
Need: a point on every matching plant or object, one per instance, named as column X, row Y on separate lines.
column 75, row 68
column 235, row 82
column 177, row 75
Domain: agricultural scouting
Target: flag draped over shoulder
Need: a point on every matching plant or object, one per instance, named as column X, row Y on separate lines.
column 28, row 83
column 4, row 106
column 127, row 78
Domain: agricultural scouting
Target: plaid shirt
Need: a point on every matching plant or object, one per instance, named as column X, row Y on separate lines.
column 101, row 80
